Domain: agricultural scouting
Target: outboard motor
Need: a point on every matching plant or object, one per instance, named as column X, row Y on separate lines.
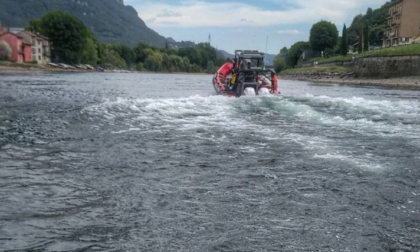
column 249, row 91
column 263, row 91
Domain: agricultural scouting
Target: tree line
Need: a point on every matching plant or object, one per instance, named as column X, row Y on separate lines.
column 365, row 31
column 72, row 42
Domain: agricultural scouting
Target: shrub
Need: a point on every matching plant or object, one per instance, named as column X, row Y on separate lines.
column 5, row 50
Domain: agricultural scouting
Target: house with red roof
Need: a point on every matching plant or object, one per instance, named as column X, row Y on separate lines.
column 21, row 48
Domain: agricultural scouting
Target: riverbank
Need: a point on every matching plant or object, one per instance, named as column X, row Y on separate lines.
column 406, row 82
column 6, row 65
column 11, row 66
column 345, row 76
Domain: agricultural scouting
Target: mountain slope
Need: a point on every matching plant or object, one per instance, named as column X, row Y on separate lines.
column 110, row 20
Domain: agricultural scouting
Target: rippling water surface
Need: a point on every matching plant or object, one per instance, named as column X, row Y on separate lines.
column 157, row 162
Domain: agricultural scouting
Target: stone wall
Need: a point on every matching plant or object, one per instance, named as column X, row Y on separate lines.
column 387, row 67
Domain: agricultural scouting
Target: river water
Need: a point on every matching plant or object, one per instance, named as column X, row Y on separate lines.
column 157, row 162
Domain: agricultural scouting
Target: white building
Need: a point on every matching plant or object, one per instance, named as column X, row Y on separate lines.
column 40, row 45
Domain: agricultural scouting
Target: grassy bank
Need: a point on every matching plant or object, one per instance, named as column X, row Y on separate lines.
column 391, row 51
column 317, row 69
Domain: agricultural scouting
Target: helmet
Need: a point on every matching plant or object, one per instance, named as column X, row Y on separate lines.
column 229, row 60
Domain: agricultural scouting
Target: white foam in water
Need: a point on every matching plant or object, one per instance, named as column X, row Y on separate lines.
column 378, row 117
column 382, row 117
column 180, row 114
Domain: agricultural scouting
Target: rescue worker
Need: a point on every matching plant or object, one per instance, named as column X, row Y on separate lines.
column 222, row 73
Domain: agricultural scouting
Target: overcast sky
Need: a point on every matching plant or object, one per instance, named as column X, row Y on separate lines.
column 245, row 24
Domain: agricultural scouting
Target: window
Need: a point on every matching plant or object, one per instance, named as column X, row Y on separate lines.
column 39, row 57
column 39, row 50
column 33, row 51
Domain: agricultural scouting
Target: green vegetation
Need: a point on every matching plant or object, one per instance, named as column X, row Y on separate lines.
column 391, row 51
column 344, row 42
column 413, row 49
column 317, row 69
column 281, row 60
column 5, row 50
column 74, row 43
column 296, row 51
column 365, row 32
column 324, row 35
column 34, row 26
column 110, row 21
column 333, row 59
column 68, row 35
column 368, row 27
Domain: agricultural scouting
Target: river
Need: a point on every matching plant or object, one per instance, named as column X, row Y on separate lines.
column 158, row 162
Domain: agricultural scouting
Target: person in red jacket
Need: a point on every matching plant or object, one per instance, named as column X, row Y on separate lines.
column 223, row 72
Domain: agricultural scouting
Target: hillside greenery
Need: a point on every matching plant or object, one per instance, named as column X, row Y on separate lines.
column 74, row 43
column 364, row 36
column 111, row 21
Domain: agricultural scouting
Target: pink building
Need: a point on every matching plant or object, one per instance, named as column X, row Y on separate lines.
column 21, row 49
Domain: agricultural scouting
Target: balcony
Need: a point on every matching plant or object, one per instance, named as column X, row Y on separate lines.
column 396, row 23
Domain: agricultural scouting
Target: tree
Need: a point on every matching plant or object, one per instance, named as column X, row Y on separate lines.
column 323, row 35
column 279, row 63
column 139, row 52
column 111, row 58
column 67, row 35
column 366, row 38
column 90, row 53
column 296, row 51
column 90, row 50
column 211, row 68
column 125, row 52
column 360, row 45
column 154, row 62
column 284, row 52
column 376, row 20
column 344, row 42
column 5, row 50
column 34, row 26
column 355, row 29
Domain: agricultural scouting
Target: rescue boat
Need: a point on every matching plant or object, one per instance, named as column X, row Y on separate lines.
column 245, row 75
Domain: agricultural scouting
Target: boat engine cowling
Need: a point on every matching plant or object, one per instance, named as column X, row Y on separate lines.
column 249, row 91
column 263, row 91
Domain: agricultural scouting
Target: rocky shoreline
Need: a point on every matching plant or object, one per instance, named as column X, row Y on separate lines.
column 412, row 82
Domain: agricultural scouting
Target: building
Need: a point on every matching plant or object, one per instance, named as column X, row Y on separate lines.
column 21, row 49
column 403, row 25
column 40, row 47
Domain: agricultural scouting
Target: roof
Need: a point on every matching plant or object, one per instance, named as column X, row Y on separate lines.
column 35, row 35
column 16, row 35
